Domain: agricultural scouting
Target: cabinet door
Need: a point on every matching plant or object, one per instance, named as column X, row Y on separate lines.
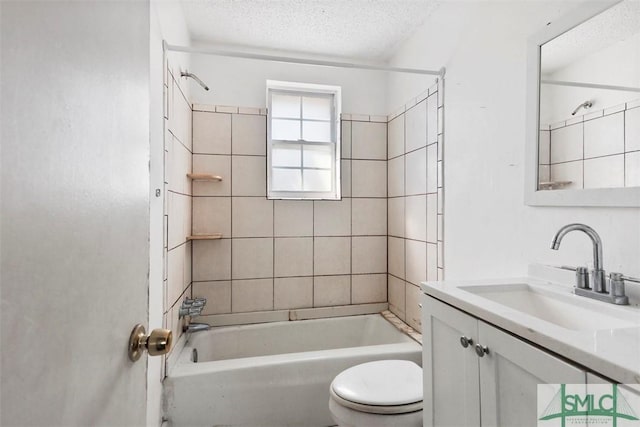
column 509, row 376
column 450, row 371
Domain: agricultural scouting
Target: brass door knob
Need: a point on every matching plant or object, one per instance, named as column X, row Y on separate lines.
column 158, row 342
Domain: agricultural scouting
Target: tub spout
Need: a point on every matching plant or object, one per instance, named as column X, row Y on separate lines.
column 196, row 327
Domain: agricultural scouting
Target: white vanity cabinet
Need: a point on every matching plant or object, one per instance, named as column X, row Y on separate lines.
column 498, row 388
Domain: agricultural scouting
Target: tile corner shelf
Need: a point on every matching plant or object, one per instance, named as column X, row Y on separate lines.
column 204, row 177
column 214, row 236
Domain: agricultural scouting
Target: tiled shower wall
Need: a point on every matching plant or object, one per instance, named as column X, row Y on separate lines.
column 597, row 150
column 278, row 255
column 177, row 210
column 415, row 182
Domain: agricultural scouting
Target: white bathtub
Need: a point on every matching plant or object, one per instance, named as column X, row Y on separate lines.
column 274, row 374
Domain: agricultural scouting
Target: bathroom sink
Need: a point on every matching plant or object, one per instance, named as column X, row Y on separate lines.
column 562, row 309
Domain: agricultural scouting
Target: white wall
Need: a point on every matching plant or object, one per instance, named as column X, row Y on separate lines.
column 241, row 82
column 489, row 231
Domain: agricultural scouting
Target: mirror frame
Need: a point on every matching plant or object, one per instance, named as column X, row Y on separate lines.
column 612, row 197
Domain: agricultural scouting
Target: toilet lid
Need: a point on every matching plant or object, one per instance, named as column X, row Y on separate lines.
column 380, row 383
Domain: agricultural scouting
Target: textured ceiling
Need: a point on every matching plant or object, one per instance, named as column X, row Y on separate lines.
column 359, row 29
column 616, row 24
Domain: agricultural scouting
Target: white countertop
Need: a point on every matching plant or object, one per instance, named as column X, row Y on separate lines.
column 613, row 353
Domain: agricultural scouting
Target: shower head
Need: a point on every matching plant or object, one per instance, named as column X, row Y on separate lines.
column 585, row 105
column 194, row 77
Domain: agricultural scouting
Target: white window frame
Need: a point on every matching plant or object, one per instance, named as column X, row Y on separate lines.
column 308, row 90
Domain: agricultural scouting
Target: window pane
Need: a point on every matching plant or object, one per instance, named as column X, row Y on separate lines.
column 287, row 130
column 318, row 156
column 316, row 108
column 286, row 155
column 285, row 106
column 316, row 131
column 286, row 179
column 317, row 180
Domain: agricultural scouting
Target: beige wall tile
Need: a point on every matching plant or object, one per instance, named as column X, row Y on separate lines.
column 432, row 119
column 604, row 136
column 212, row 215
column 175, row 280
column 570, row 171
column 369, row 217
column 369, row 140
column 252, row 258
column 396, row 257
column 432, row 261
column 396, row 296
column 412, row 309
column 396, row 218
column 249, row 134
column 415, row 261
column 632, row 169
column 346, row 139
column 632, row 129
column 218, row 295
column 293, row 218
column 396, row 176
column 368, row 178
column 252, row 217
column 212, row 260
column 416, row 217
column 332, row 218
column 368, row 288
column 432, row 218
column 293, row 292
column 249, row 176
column 251, row 295
column 396, row 137
column 293, row 256
column 345, row 177
column 416, row 172
column 567, row 143
column 178, row 166
column 332, row 255
column 604, row 172
column 369, row 254
column 432, row 168
column 215, row 165
column 211, row 133
column 331, row 290
column 416, row 127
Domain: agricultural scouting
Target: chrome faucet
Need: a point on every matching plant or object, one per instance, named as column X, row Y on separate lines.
column 615, row 294
column 192, row 307
column 597, row 274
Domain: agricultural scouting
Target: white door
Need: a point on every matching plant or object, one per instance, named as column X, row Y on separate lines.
column 75, row 211
column 510, row 372
column 450, row 370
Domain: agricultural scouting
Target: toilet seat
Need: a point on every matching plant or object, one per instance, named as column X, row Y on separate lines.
column 381, row 387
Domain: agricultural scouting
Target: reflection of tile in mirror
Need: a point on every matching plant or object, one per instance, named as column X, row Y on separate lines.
column 566, row 144
column 632, row 130
column 604, row 172
column 544, row 173
column 544, row 147
column 570, row 171
column 632, row 169
column 604, row 136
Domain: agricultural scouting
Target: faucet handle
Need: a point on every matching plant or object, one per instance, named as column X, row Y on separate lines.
column 582, row 278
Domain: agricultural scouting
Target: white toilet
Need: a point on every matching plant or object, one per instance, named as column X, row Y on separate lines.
column 385, row 393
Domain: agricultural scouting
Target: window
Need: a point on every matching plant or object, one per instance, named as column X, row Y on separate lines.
column 303, row 143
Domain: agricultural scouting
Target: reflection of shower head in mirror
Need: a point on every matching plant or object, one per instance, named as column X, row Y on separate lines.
column 585, row 105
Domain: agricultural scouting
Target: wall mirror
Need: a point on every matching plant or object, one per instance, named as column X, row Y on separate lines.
column 583, row 123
